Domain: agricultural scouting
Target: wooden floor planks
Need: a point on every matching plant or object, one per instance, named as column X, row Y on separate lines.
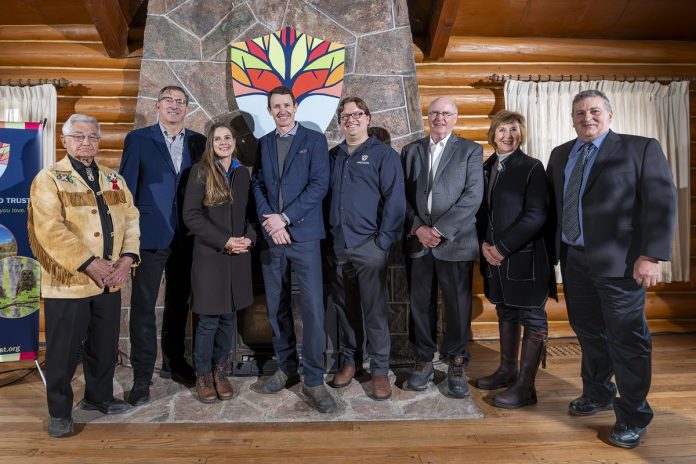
column 544, row 433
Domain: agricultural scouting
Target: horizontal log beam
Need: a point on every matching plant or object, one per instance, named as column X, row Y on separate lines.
column 63, row 55
column 117, row 109
column 465, row 74
column 93, row 82
column 529, row 49
column 76, row 32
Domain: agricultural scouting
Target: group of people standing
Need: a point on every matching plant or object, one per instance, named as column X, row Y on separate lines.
column 605, row 206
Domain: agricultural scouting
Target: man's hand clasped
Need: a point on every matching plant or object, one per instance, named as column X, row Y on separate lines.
column 275, row 226
column 428, row 236
column 107, row 273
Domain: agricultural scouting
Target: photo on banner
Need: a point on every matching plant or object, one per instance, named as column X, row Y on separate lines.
column 20, row 273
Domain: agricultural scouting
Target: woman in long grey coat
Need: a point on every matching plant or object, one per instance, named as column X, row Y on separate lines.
column 215, row 211
column 518, row 277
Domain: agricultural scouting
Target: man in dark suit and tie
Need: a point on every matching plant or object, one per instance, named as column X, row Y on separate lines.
column 155, row 164
column 613, row 220
column 290, row 180
column 444, row 187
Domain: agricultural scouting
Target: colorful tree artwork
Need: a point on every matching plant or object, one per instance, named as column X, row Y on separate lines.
column 313, row 68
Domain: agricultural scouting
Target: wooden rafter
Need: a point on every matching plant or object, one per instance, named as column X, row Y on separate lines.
column 442, row 18
column 111, row 25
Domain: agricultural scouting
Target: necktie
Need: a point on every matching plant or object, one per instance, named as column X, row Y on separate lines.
column 431, row 173
column 570, row 223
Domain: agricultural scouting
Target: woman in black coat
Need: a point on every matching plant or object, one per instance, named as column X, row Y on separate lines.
column 215, row 211
column 518, row 277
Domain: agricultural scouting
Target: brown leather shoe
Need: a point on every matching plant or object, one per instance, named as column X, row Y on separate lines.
column 223, row 387
column 381, row 388
column 343, row 377
column 205, row 387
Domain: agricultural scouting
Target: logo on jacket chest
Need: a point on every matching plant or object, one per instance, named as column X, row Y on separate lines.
column 363, row 159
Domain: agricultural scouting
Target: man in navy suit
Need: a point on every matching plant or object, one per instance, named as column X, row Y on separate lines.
column 155, row 164
column 613, row 220
column 290, row 180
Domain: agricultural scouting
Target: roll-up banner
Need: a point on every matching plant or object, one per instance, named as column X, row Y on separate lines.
column 20, row 161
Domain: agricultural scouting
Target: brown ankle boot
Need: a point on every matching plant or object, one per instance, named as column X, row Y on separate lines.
column 506, row 374
column 205, row 387
column 522, row 392
column 223, row 387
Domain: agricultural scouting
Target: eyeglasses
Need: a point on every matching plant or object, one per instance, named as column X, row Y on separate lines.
column 81, row 138
column 171, row 101
column 444, row 114
column 346, row 117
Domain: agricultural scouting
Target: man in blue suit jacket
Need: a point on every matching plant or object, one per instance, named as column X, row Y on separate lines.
column 155, row 164
column 290, row 180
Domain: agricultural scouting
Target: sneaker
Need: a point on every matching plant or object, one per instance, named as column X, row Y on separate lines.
column 422, row 373
column 456, row 378
column 58, row 427
column 320, row 399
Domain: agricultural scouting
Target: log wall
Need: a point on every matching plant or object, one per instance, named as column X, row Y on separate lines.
column 100, row 86
column 464, row 74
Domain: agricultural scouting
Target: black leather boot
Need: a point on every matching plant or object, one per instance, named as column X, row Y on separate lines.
column 522, row 392
column 506, row 374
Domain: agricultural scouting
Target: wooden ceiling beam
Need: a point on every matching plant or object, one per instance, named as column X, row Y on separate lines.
column 442, row 18
column 111, row 25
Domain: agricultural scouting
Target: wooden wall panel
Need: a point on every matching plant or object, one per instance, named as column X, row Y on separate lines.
column 464, row 74
column 103, row 87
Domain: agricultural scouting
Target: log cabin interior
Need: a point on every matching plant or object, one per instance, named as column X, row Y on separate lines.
column 463, row 49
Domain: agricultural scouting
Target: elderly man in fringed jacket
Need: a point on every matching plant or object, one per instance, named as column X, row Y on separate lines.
column 83, row 229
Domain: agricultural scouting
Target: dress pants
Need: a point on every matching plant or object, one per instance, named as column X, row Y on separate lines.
column 94, row 323
column 455, row 279
column 608, row 317
column 176, row 264
column 533, row 319
column 305, row 259
column 359, row 290
column 214, row 334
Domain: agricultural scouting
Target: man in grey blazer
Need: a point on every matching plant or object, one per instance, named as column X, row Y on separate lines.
column 613, row 219
column 443, row 175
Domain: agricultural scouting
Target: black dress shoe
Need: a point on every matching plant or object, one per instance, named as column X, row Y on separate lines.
column 626, row 436
column 58, row 427
column 140, row 394
column 182, row 373
column 112, row 406
column 584, row 406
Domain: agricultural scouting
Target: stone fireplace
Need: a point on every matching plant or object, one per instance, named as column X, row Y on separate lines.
column 187, row 44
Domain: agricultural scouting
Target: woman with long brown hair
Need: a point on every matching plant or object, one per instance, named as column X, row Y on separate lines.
column 215, row 211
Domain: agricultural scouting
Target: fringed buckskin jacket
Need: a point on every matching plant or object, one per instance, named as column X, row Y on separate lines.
column 65, row 229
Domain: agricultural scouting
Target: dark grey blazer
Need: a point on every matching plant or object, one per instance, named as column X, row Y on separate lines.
column 457, row 194
column 628, row 206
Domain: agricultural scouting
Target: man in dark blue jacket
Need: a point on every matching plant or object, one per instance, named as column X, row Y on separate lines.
column 367, row 210
column 290, row 180
column 155, row 164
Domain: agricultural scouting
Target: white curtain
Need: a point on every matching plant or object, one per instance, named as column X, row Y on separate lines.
column 649, row 109
column 33, row 104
